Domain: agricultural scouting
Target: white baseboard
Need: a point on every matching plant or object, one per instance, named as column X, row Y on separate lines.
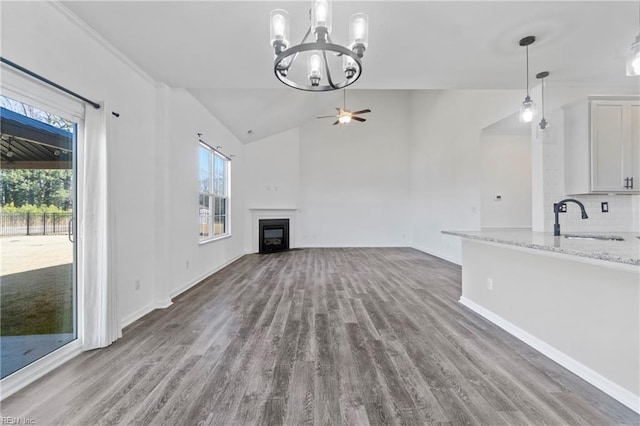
column 441, row 256
column 197, row 280
column 21, row 378
column 353, row 245
column 609, row 387
column 133, row 317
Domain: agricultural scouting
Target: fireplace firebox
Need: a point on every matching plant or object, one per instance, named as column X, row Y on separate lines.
column 273, row 235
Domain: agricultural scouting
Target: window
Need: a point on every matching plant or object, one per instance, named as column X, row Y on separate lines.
column 214, row 194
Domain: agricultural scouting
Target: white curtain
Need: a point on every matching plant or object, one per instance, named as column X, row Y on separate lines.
column 100, row 314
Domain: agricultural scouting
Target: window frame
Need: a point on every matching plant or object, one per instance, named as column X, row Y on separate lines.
column 209, row 219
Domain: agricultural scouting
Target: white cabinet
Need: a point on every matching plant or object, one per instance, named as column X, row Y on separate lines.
column 602, row 146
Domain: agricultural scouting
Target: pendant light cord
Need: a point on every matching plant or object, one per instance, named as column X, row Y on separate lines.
column 527, row 48
column 543, row 98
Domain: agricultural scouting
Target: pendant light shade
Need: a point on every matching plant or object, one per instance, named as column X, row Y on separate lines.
column 527, row 110
column 633, row 55
column 528, row 107
column 633, row 58
column 544, row 124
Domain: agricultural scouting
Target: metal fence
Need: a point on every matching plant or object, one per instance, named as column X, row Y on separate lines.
column 14, row 224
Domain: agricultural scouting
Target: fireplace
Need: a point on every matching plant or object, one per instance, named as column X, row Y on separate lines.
column 273, row 235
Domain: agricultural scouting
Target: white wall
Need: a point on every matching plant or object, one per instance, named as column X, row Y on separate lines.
column 506, row 172
column 354, row 179
column 273, row 162
column 153, row 149
column 190, row 261
column 272, row 183
column 445, row 164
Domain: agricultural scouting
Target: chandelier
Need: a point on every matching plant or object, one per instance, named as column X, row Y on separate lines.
column 329, row 66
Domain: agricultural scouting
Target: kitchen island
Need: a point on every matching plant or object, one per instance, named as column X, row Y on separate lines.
column 575, row 300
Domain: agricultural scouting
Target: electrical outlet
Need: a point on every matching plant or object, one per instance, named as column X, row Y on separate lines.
column 490, row 283
column 604, row 207
column 563, row 208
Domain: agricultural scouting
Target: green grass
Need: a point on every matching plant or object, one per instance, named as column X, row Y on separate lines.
column 39, row 301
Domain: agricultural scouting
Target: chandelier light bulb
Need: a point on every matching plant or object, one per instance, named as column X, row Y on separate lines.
column 359, row 26
column 321, row 12
column 359, row 33
column 314, row 70
column 349, row 66
column 278, row 26
column 279, row 30
column 321, row 15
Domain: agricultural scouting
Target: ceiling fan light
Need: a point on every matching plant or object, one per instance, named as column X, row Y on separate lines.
column 344, row 119
column 633, row 58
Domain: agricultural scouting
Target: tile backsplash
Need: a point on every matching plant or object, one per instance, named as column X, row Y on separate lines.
column 623, row 215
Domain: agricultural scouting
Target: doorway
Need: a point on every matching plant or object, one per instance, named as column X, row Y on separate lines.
column 38, row 285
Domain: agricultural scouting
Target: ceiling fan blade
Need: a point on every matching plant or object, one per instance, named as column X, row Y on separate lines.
column 358, row 119
column 362, row 111
column 337, row 122
column 327, row 116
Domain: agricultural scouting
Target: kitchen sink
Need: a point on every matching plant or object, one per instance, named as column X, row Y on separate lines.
column 594, row 237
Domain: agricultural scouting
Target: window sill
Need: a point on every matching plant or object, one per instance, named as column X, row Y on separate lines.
column 210, row 240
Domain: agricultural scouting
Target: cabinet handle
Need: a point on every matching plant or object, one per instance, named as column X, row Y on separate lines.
column 626, row 183
column 631, row 182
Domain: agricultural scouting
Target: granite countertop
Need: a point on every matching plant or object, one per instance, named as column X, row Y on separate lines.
column 627, row 251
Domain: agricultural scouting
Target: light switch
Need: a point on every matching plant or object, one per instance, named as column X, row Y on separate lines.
column 604, row 207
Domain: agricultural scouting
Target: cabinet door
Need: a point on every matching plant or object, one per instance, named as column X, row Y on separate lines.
column 607, row 142
column 632, row 154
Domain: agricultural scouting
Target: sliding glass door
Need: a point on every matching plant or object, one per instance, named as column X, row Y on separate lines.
column 38, row 291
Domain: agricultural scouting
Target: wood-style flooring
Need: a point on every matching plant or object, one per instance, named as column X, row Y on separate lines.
column 350, row 336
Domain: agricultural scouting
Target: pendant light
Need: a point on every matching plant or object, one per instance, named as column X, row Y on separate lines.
column 633, row 56
column 527, row 109
column 543, row 125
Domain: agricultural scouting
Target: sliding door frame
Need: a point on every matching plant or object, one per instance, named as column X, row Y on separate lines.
column 32, row 92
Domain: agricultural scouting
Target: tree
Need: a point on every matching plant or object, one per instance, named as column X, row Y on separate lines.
column 36, row 187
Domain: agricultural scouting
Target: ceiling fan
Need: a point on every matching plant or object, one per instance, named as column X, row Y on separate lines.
column 344, row 116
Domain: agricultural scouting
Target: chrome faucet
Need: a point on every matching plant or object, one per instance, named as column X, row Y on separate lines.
column 556, row 210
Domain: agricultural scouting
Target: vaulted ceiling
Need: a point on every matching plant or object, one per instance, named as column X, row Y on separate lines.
column 220, row 52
